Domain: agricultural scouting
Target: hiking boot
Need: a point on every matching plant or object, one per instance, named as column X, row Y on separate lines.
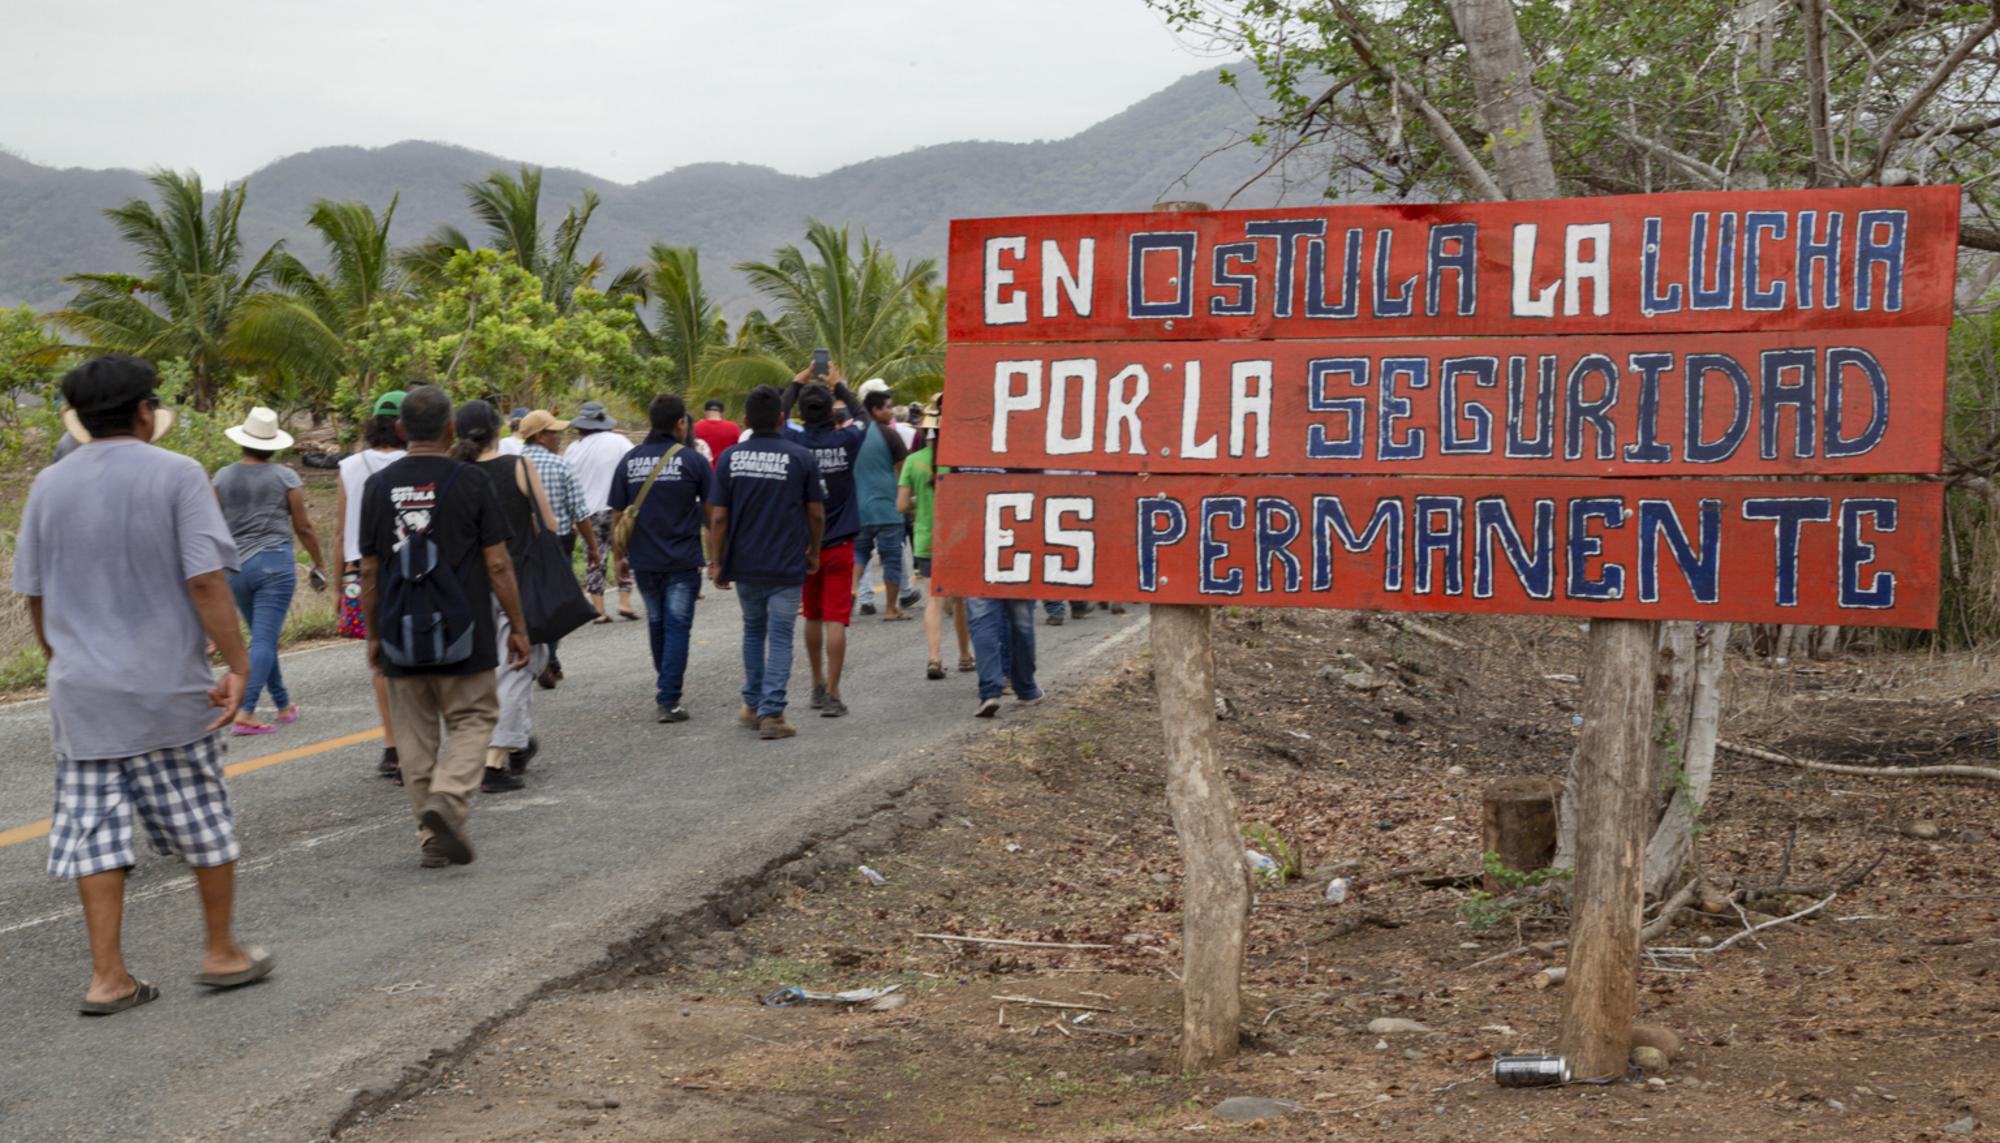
column 391, row 765
column 674, row 713
column 446, row 835
column 517, row 760
column 987, row 709
column 747, row 718
column 819, row 696
column 834, row 708
column 548, row 679
column 774, row 726
column 865, row 609
column 499, row 780
column 432, row 856
column 1055, row 620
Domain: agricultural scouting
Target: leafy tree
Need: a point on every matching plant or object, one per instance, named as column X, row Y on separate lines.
column 32, row 361
column 487, row 330
column 511, row 209
column 189, row 304
column 857, row 304
column 690, row 339
column 335, row 307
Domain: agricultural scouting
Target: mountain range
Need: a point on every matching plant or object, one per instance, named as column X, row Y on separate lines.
column 1163, row 147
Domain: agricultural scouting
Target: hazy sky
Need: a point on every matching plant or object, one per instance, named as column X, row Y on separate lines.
column 622, row 90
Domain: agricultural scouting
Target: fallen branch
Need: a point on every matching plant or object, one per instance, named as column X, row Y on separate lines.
column 1674, row 904
column 1540, row 946
column 1424, row 630
column 1772, row 756
column 1719, row 946
column 1031, row 1002
column 1009, row 943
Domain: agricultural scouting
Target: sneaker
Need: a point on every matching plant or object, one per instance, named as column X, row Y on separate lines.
column 433, row 856
column 773, row 726
column 391, row 765
column 1031, row 699
column 866, row 609
column 1055, row 620
column 517, row 760
column 819, row 697
column 499, row 780
column 911, row 598
column 987, row 709
column 674, row 713
column 747, row 718
column 834, row 708
column 445, row 834
column 548, row 679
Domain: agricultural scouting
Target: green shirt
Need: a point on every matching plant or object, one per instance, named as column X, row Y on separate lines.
column 919, row 477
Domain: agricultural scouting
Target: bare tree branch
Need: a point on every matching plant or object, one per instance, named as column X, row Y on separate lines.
column 1469, row 165
column 1813, row 17
column 1891, row 131
column 1979, row 237
column 1706, row 172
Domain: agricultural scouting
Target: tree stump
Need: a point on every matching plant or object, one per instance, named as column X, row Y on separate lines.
column 1517, row 820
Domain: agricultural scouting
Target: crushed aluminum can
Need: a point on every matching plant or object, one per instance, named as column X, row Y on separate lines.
column 1530, row 1071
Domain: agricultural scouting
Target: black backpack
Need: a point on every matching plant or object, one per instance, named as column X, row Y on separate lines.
column 426, row 621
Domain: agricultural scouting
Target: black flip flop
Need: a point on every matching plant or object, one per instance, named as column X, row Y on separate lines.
column 630, row 616
column 601, row 621
column 260, row 967
column 142, row 993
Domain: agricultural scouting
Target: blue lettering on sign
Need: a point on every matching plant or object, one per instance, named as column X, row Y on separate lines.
column 1756, row 224
column 1699, row 366
column 1244, row 284
column 1277, row 526
column 1700, row 562
column 1318, row 447
column 1651, row 300
column 1180, row 243
column 1583, row 545
column 1162, row 522
column 1790, row 513
column 1543, row 444
column 1536, row 571
column 1719, row 291
column 1856, row 553
column 1350, row 278
column 1391, row 408
column 1819, row 261
column 1873, row 249
column 1485, row 374
column 1286, row 231
column 1388, row 304
column 1454, row 247
column 1386, row 523
column 1802, row 397
column 1647, row 448
column 1214, row 551
column 1576, row 410
column 1838, row 360
column 1429, row 539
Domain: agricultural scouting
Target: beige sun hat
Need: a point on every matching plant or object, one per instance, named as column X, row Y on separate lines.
column 163, row 423
column 260, row 431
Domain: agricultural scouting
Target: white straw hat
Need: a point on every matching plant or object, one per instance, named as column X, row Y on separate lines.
column 163, row 422
column 260, row 431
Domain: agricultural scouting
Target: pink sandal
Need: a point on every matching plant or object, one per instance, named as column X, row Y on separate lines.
column 245, row 730
column 289, row 715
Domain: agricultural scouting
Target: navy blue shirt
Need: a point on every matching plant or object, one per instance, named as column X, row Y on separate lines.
column 667, row 537
column 834, row 450
column 766, row 483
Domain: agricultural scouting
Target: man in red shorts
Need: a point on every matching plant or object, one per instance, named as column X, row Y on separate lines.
column 829, row 592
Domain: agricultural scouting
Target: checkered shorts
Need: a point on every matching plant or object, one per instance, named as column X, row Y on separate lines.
column 179, row 795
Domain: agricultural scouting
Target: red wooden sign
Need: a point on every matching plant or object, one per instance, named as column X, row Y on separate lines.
column 1696, row 262
column 1854, row 402
column 1780, row 552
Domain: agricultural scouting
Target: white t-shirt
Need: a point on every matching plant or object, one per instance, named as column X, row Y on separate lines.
column 595, row 459
column 908, row 434
column 355, row 469
column 511, row 446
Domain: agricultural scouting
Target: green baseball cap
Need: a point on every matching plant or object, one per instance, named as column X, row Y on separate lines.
column 389, row 404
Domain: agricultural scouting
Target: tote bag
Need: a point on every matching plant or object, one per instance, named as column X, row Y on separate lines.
column 551, row 600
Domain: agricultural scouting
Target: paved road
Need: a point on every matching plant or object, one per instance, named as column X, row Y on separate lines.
column 379, row 963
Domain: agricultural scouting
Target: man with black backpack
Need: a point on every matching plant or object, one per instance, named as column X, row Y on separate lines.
column 433, row 547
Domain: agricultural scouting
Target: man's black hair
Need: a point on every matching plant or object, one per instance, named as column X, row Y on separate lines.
column 764, row 409
column 816, row 405
column 380, row 432
column 105, row 392
column 877, row 399
column 426, row 412
column 665, row 412
column 258, row 453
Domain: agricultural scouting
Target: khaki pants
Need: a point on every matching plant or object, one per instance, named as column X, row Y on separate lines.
column 466, row 708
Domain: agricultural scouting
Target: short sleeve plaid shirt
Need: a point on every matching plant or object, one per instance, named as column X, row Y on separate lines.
column 559, row 480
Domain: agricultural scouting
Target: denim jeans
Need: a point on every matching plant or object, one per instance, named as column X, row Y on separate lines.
column 1003, row 641
column 263, row 589
column 669, row 600
column 770, row 612
column 888, row 540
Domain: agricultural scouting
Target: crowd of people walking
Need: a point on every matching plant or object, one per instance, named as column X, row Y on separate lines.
column 456, row 562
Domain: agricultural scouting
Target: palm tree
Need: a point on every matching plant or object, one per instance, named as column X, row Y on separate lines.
column 860, row 306
column 330, row 309
column 191, row 300
column 690, row 334
column 511, row 210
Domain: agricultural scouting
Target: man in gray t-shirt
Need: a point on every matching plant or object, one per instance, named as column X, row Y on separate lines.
column 122, row 553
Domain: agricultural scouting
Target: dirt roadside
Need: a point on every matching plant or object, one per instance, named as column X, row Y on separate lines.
column 1364, row 748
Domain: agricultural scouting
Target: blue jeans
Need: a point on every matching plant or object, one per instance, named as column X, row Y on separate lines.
column 770, row 612
column 669, row 600
column 888, row 540
column 263, row 589
column 1003, row 640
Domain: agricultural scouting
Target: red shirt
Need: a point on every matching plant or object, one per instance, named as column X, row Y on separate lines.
column 717, row 435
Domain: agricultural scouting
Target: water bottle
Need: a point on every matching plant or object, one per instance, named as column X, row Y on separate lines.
column 1336, row 890
column 1263, row 866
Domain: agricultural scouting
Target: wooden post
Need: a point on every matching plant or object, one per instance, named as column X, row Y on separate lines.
column 1215, row 893
column 1613, row 798
column 1517, row 821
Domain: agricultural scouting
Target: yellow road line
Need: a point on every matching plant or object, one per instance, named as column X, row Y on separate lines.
column 39, row 829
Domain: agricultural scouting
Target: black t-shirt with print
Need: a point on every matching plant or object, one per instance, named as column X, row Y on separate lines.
column 463, row 526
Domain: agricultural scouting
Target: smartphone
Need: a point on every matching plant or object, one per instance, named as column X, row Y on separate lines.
column 821, row 362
